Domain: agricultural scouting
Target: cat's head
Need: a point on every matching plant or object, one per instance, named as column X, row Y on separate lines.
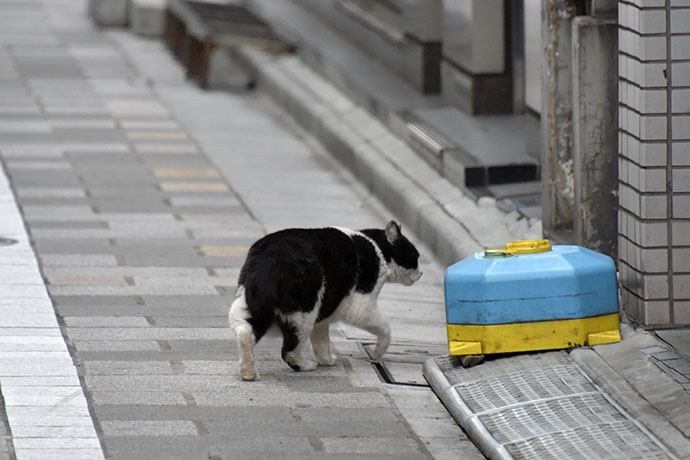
column 403, row 265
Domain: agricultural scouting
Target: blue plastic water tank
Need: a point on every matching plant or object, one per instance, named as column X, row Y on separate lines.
column 565, row 282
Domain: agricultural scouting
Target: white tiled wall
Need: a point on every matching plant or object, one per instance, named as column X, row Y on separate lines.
column 654, row 163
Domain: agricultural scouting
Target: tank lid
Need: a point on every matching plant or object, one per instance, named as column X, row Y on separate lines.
column 519, row 247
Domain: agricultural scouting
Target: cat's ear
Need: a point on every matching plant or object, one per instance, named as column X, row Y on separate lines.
column 393, row 231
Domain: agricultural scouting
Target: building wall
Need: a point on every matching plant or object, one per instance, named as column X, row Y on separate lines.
column 654, row 160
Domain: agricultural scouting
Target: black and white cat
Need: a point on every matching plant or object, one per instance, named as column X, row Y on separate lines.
column 304, row 279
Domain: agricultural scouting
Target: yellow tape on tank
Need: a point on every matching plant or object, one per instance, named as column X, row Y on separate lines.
column 543, row 335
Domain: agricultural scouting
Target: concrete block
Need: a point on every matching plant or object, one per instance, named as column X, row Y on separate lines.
column 147, row 17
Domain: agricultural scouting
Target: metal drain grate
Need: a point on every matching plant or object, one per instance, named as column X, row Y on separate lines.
column 537, row 406
column 615, row 441
column 390, row 372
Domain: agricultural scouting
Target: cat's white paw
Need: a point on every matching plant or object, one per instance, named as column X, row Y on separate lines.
column 299, row 363
column 328, row 360
column 306, row 365
column 249, row 375
column 380, row 350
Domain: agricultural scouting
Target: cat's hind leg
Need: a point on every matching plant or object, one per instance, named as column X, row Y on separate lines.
column 246, row 338
column 320, row 343
column 296, row 328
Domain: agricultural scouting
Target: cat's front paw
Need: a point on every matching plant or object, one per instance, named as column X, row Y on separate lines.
column 380, row 350
column 328, row 360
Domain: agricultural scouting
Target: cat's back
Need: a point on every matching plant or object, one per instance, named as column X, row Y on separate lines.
column 297, row 243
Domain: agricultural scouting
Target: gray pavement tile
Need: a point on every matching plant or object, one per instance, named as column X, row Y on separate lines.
column 371, row 445
column 112, row 368
column 83, row 301
column 205, row 447
column 179, row 261
column 207, row 320
column 105, row 321
column 33, row 165
column 46, row 67
column 346, row 415
column 115, row 345
column 153, row 333
column 145, row 206
column 320, row 384
column 138, row 272
column 214, row 349
column 666, row 355
column 173, row 428
column 110, row 233
column 138, row 397
column 195, row 352
column 233, row 413
column 165, row 383
column 68, row 225
column 276, row 399
column 85, row 279
column 77, row 260
column 294, row 428
column 190, row 311
column 74, row 247
column 168, row 290
column 676, row 375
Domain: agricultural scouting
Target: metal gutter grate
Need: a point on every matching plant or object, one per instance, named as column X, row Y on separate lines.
column 538, row 406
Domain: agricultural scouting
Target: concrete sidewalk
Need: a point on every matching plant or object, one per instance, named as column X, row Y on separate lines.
column 141, row 194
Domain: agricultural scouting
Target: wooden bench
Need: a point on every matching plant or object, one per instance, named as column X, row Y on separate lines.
column 193, row 29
